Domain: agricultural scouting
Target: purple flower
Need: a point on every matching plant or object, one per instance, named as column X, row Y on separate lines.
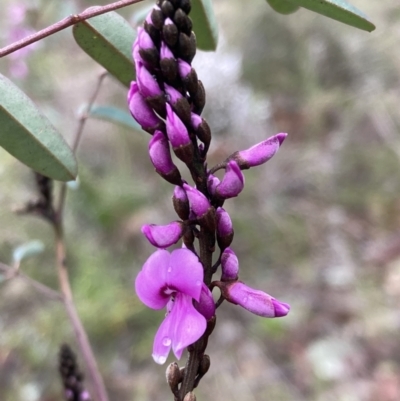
column 176, row 130
column 206, row 305
column 163, row 236
column 173, row 280
column 232, row 183
column 140, row 110
column 255, row 301
column 259, row 153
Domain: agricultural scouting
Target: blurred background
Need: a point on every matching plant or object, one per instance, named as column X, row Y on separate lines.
column 318, row 226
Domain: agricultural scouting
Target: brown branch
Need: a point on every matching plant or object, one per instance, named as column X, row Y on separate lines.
column 12, row 272
column 65, row 23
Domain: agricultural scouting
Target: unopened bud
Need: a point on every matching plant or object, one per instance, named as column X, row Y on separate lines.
column 170, row 33
column 181, row 203
column 173, row 375
column 232, row 183
column 199, row 204
column 229, row 265
column 163, row 236
column 224, row 228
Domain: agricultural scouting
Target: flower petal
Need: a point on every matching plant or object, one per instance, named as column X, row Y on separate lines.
column 163, row 340
column 185, row 273
column 152, row 279
column 187, row 323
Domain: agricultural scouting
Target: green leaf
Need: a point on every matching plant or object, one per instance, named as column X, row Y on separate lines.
column 283, row 7
column 30, row 137
column 204, row 24
column 108, row 39
column 339, row 10
column 28, row 249
column 114, row 115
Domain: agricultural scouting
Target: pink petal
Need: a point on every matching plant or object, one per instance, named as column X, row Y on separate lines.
column 188, row 324
column 185, row 273
column 152, row 279
column 163, row 340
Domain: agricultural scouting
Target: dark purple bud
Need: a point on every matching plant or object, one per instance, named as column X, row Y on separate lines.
column 148, row 86
column 259, row 153
column 206, row 305
column 148, row 52
column 181, row 203
column 141, row 111
column 170, row 33
column 199, row 204
column 163, row 236
column 202, row 130
column 187, row 46
column 167, row 8
column 257, row 302
column 182, row 21
column 144, row 40
column 185, row 5
column 224, row 228
column 212, row 183
column 168, row 64
column 176, row 129
column 229, row 265
column 172, row 95
column 157, row 18
column 160, row 156
column 232, row 183
column 174, row 376
column 179, row 104
column 199, row 98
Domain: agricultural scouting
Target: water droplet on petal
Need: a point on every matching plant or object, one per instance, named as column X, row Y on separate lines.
column 169, row 270
column 166, row 341
column 244, row 300
column 198, row 283
column 160, row 359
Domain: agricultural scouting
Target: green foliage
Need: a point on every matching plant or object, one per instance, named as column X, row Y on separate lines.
column 30, row 137
column 204, row 24
column 108, row 39
column 339, row 10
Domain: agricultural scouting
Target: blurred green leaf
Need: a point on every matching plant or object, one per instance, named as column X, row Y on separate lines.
column 28, row 249
column 204, row 24
column 283, row 6
column 114, row 115
column 108, row 39
column 29, row 136
column 339, row 10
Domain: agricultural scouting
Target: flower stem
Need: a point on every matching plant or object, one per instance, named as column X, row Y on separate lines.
column 65, row 23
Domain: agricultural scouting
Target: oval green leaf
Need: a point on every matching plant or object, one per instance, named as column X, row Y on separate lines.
column 283, row 6
column 339, row 10
column 108, row 39
column 114, row 115
column 204, row 24
column 30, row 137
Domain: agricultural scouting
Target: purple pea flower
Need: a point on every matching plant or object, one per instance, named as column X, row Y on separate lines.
column 163, row 236
column 141, row 111
column 255, row 301
column 148, row 86
column 232, row 183
column 259, row 153
column 173, row 280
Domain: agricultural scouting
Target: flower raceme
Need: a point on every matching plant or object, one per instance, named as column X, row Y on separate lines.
column 174, row 280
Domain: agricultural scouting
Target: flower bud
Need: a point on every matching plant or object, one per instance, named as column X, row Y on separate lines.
column 224, row 228
column 163, row 236
column 181, row 203
column 257, row 302
column 199, row 204
column 148, row 52
column 160, row 156
column 174, row 376
column 212, row 183
column 182, row 21
column 148, row 86
column 199, row 98
column 179, row 104
column 229, row 265
column 202, row 130
column 232, row 183
column 177, row 132
column 157, row 17
column 168, row 64
column 141, row 111
column 170, row 33
column 187, row 46
column 259, row 153
column 188, row 76
column 206, row 305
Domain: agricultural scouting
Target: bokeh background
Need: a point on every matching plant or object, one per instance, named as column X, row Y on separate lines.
column 318, row 226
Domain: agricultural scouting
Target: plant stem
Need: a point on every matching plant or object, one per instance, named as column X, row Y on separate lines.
column 65, row 23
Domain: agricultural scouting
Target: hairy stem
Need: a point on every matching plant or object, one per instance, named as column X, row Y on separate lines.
column 65, row 23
